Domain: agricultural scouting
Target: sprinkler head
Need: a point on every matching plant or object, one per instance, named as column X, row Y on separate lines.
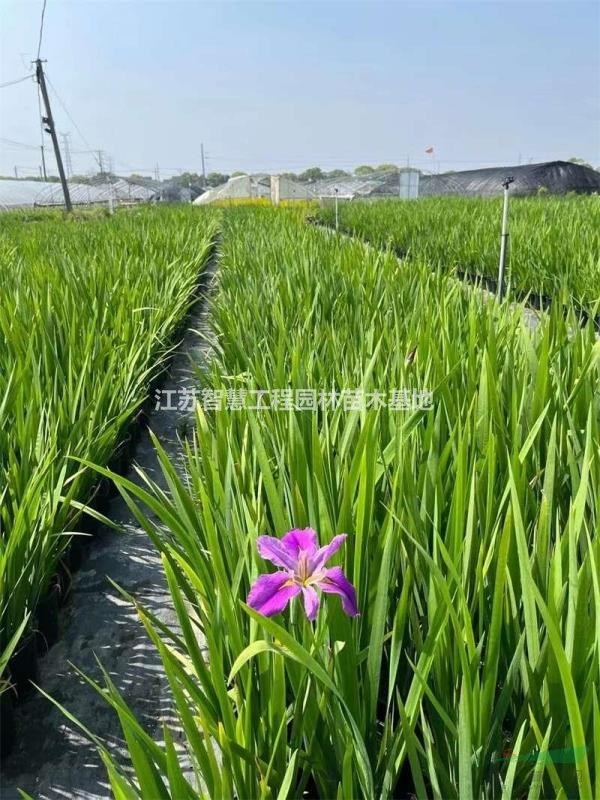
column 507, row 181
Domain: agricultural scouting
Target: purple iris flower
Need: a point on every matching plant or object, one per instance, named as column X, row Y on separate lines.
column 303, row 570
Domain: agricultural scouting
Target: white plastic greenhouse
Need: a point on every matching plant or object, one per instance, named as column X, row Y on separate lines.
column 245, row 187
column 240, row 187
column 29, row 194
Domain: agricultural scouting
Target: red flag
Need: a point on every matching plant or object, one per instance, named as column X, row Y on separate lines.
column 429, row 150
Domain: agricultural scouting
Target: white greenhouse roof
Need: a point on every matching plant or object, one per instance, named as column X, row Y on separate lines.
column 27, row 194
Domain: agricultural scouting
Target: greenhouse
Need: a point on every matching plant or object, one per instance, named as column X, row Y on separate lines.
column 29, row 194
column 248, row 187
column 554, row 177
column 240, row 187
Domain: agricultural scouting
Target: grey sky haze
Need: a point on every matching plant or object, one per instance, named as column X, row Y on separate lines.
column 286, row 85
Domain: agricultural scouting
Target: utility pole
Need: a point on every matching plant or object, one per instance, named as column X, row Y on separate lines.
column 203, row 165
column 101, row 161
column 49, row 122
column 157, row 173
column 17, row 173
column 43, row 167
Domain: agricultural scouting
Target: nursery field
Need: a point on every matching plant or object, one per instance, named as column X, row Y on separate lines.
column 88, row 310
column 384, row 548
column 554, row 242
column 449, row 645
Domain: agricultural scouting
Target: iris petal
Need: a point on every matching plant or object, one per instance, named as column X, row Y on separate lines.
column 276, row 551
column 335, row 582
column 299, row 540
column 311, row 602
column 270, row 594
column 324, row 553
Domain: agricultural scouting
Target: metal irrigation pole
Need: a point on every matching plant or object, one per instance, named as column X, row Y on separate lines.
column 504, row 237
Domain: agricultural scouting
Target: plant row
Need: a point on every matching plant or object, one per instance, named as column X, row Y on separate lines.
column 88, row 312
column 473, row 667
column 554, row 245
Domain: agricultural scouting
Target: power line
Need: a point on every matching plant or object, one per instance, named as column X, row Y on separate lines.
column 14, row 143
column 42, row 145
column 153, row 169
column 349, row 162
column 41, row 29
column 73, row 123
column 18, row 80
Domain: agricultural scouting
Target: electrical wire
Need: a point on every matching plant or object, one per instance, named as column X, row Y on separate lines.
column 41, row 29
column 73, row 123
column 19, row 80
column 14, row 143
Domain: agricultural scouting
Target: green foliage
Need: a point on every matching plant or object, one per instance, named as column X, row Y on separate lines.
column 337, row 173
column 581, row 161
column 365, row 169
column 311, row 174
column 88, row 308
column 216, row 179
column 187, row 179
column 473, row 541
column 554, row 242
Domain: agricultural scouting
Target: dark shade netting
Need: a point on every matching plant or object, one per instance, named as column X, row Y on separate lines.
column 554, row 177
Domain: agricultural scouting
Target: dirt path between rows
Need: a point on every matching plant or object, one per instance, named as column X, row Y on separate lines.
column 51, row 758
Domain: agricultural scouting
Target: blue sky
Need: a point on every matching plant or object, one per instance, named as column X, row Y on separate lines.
column 285, row 85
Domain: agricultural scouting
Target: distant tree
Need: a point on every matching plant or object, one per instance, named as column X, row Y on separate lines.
column 98, row 178
column 216, row 178
column 140, row 180
column 387, row 168
column 50, row 178
column 238, row 174
column 186, row 179
column 581, row 161
column 311, row 174
column 364, row 169
column 80, row 179
column 338, row 173
column 291, row 175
